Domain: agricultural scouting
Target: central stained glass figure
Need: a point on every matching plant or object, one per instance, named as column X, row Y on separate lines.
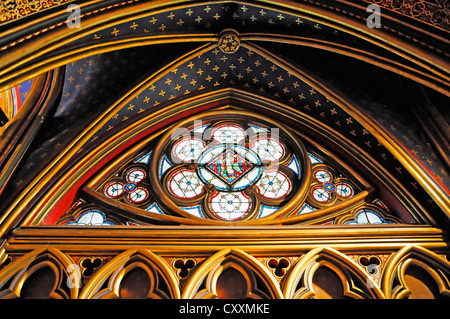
column 229, row 167
column 227, row 176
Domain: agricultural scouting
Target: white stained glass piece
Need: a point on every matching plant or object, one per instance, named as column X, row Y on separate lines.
column 368, row 217
column 247, row 179
column 294, row 166
column 114, row 189
column 93, row 218
column 306, row 209
column 268, row 149
column 138, row 195
column 154, row 208
column 135, row 175
column 129, row 223
column 266, row 211
column 165, row 165
column 230, row 206
column 210, row 178
column 228, row 134
column 249, row 155
column 321, row 195
column 273, row 184
column 185, row 184
column 258, row 129
column 188, row 149
column 211, row 154
column 323, row 175
column 194, row 210
column 314, row 160
column 344, row 190
column 144, row 159
column 200, row 130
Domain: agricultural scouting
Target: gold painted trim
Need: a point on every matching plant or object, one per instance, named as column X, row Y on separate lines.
column 115, row 270
column 23, row 268
column 361, row 30
column 104, row 47
column 54, row 36
column 23, row 128
column 439, row 83
column 304, row 10
column 273, row 240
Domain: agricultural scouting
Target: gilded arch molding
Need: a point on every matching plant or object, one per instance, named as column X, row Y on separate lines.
column 355, row 281
column 20, row 270
column 436, row 266
column 117, row 268
column 97, row 19
column 211, row 269
column 20, row 131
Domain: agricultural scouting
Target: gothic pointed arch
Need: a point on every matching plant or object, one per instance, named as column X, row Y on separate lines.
column 116, row 279
column 254, row 282
column 356, row 282
column 395, row 276
column 50, row 267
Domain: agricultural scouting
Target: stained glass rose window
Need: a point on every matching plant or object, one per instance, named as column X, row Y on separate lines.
column 229, row 167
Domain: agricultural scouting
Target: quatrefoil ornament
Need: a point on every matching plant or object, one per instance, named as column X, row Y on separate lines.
column 327, row 187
